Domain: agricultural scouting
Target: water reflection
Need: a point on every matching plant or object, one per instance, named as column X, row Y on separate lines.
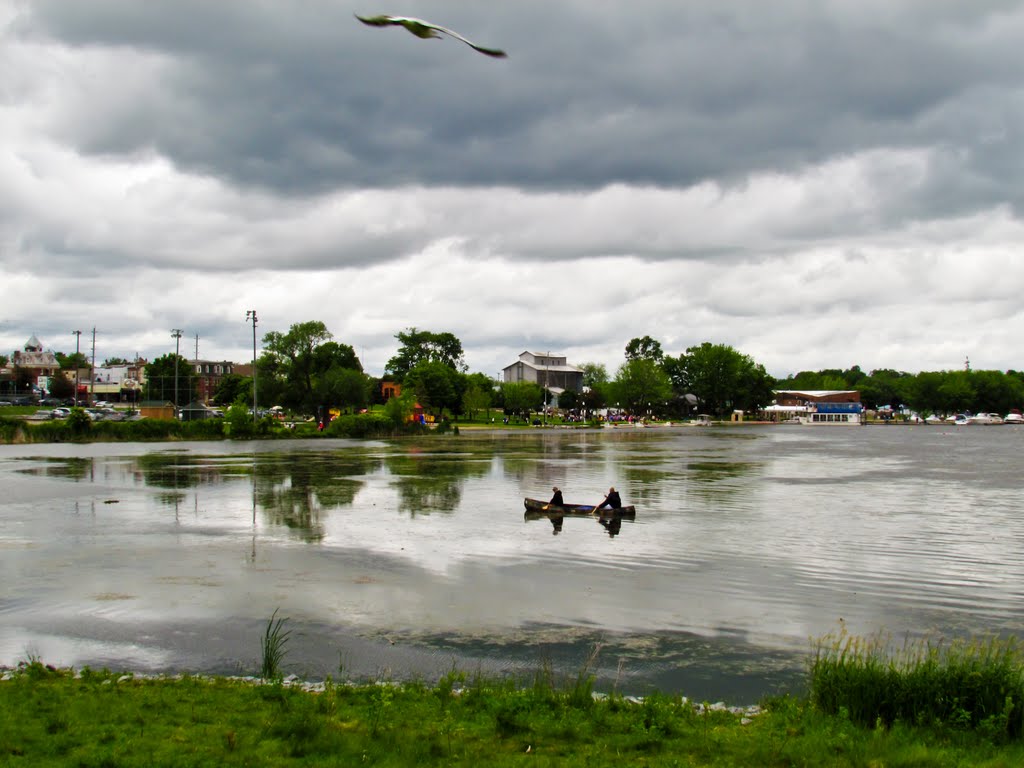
column 433, row 482
column 746, row 543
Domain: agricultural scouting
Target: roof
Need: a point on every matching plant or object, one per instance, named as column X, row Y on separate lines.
column 817, row 392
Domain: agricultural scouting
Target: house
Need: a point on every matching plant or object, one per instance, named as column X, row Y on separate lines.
column 32, row 364
column 116, row 383
column 209, row 373
column 389, row 389
column 552, row 372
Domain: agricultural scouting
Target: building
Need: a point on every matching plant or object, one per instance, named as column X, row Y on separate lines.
column 114, row 383
column 209, row 373
column 31, row 364
column 552, row 372
column 791, row 404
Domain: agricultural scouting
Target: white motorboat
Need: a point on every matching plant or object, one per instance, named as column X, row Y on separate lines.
column 985, row 418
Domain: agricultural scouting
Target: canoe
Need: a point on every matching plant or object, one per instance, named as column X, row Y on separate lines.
column 543, row 509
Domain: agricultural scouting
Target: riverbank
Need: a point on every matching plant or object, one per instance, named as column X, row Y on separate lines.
column 85, row 718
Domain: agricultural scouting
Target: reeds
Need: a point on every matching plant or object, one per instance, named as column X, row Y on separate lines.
column 961, row 684
column 273, row 643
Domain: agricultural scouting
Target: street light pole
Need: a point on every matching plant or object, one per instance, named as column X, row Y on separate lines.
column 176, row 335
column 78, row 338
column 250, row 315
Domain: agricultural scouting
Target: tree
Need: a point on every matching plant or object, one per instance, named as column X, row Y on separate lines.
column 437, row 386
column 594, row 374
column 61, row 386
column 475, row 399
column 73, row 361
column 569, row 400
column 957, row 392
column 294, row 352
column 301, row 369
column 720, row 378
column 424, row 346
column 644, row 349
column 344, row 387
column 233, row 388
column 161, row 378
column 641, row 385
column 522, row 397
column 112, row 361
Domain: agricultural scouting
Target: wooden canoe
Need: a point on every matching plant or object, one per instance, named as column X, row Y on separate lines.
column 535, row 507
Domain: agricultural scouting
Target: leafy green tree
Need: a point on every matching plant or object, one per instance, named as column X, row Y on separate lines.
column 295, row 355
column 61, row 385
column 425, row 346
column 644, row 349
column 161, row 378
column 344, row 387
column 569, row 400
column 721, row 378
column 957, row 391
column 641, row 385
column 112, row 361
column 233, row 388
column 885, row 387
column 594, row 374
column 301, row 369
column 923, row 393
column 475, row 400
column 437, row 386
column 4, row 360
column 73, row 361
column 995, row 392
column 522, row 397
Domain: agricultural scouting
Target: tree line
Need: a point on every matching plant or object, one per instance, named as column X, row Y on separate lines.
column 306, row 370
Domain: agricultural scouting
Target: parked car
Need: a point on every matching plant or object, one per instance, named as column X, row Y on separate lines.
column 60, row 413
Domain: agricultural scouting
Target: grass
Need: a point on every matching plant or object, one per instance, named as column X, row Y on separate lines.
column 962, row 685
column 273, row 647
column 51, row 717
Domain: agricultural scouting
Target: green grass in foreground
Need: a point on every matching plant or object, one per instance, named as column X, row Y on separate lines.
column 55, row 718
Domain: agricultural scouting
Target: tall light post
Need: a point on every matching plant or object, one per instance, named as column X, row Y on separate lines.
column 176, row 335
column 250, row 316
column 78, row 338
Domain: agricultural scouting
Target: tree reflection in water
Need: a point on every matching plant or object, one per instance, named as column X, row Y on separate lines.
column 432, row 482
column 297, row 490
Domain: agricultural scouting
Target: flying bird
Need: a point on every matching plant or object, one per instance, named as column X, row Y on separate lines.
column 426, row 30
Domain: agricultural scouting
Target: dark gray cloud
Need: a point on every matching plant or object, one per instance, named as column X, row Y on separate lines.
column 766, row 175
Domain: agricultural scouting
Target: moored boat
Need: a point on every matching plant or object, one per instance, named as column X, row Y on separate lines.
column 538, row 508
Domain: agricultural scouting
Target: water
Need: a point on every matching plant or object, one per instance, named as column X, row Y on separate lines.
column 403, row 559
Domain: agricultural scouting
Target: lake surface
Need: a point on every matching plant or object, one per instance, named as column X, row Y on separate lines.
column 401, row 559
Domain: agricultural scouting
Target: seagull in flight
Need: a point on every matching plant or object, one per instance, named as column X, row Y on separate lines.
column 426, row 30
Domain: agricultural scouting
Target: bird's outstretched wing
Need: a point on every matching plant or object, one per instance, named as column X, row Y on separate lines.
column 425, row 29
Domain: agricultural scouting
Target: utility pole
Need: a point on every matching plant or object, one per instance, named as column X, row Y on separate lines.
column 92, row 370
column 176, row 335
column 251, row 315
column 78, row 338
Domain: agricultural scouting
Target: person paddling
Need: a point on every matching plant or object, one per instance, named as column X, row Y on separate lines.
column 612, row 500
column 556, row 499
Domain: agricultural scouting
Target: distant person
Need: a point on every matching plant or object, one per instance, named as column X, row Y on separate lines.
column 612, row 500
column 557, row 497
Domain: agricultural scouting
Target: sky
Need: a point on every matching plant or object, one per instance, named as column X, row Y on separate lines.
column 817, row 183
